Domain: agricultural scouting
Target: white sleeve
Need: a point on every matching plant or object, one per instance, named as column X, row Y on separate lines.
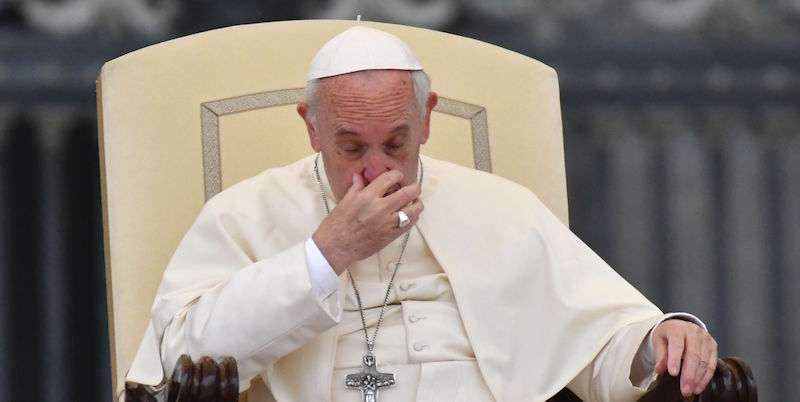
column 217, row 299
column 623, row 370
column 323, row 278
column 258, row 315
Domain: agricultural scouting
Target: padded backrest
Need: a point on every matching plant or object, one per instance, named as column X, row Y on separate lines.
column 183, row 119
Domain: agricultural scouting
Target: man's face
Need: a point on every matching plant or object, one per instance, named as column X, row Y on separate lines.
column 368, row 123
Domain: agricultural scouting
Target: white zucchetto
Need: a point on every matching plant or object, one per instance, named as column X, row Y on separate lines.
column 361, row 48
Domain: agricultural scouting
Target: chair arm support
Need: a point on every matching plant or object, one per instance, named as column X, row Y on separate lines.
column 733, row 381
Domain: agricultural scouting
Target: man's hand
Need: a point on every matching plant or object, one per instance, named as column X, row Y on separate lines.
column 365, row 220
column 684, row 347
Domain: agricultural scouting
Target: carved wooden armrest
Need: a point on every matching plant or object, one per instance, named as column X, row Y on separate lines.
column 210, row 381
column 204, row 381
column 732, row 382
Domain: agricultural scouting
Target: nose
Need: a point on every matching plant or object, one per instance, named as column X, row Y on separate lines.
column 375, row 164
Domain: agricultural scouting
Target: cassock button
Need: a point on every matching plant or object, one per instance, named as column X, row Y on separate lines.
column 405, row 286
column 414, row 318
column 420, row 346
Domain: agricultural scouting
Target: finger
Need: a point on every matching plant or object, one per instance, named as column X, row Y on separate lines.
column 402, row 197
column 382, row 184
column 707, row 357
column 413, row 211
column 710, row 364
column 712, row 367
column 357, row 184
column 660, row 347
column 701, row 377
column 689, row 373
column 695, row 360
column 675, row 347
column 695, row 349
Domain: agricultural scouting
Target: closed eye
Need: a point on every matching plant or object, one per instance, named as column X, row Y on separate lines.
column 397, row 142
column 352, row 149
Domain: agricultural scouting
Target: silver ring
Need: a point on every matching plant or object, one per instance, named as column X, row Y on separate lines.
column 402, row 219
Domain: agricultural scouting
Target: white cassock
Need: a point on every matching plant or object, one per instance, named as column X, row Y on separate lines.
column 495, row 299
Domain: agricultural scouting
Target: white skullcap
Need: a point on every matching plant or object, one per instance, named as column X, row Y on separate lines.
column 360, row 48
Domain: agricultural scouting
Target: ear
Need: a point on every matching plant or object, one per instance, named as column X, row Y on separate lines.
column 302, row 110
column 433, row 99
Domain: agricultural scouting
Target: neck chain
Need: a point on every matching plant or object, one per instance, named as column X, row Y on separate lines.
column 369, row 380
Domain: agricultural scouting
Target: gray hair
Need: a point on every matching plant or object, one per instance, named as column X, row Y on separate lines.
column 422, row 88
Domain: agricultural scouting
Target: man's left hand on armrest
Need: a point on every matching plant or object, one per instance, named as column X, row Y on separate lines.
column 685, row 348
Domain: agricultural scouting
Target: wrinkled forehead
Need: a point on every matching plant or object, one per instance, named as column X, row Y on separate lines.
column 368, row 89
column 369, row 80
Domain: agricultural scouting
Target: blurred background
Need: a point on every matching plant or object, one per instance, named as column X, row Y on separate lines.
column 681, row 126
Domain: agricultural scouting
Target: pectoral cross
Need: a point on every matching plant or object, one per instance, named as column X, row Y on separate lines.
column 369, row 379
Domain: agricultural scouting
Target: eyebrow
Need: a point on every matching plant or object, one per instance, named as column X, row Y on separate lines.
column 346, row 133
column 402, row 127
column 398, row 129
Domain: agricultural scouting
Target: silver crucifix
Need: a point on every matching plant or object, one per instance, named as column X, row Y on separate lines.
column 369, row 379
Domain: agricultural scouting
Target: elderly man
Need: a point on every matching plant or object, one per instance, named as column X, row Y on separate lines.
column 327, row 280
